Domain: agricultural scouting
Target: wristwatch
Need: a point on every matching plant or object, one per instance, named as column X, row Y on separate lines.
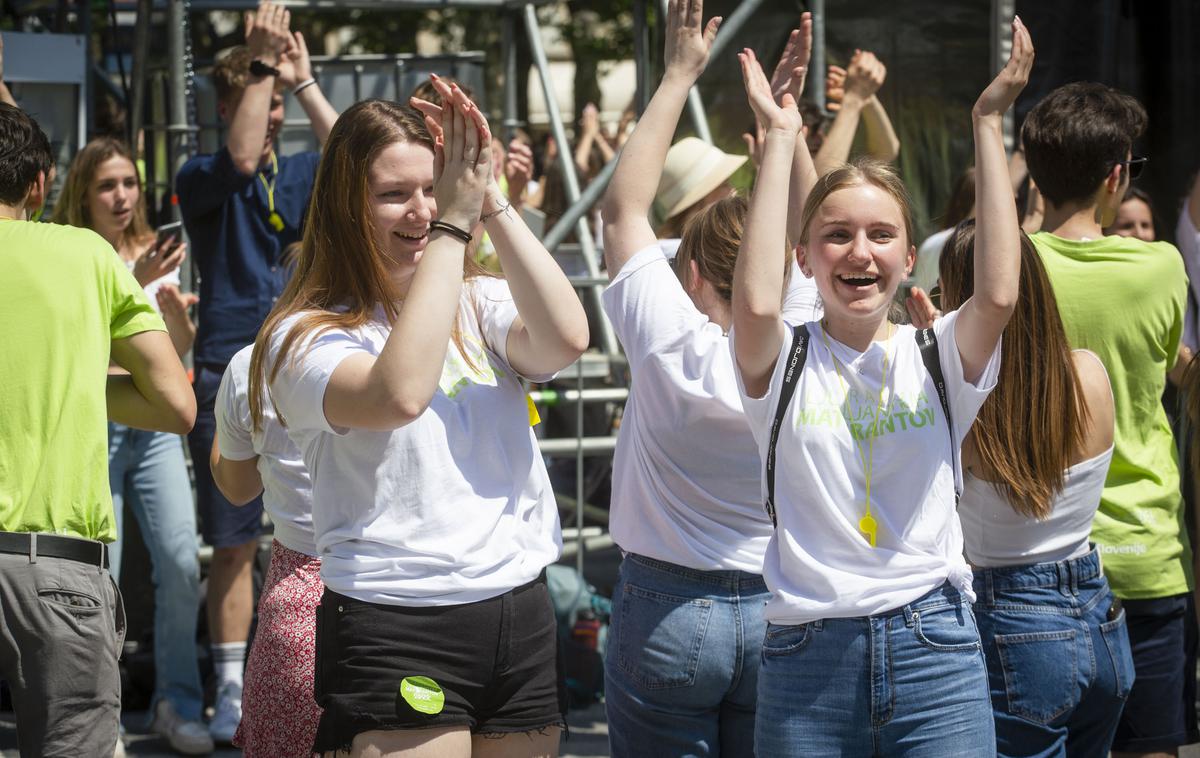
column 258, row 68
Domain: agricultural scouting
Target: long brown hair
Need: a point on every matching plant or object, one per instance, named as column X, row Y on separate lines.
column 341, row 274
column 1033, row 422
column 71, row 207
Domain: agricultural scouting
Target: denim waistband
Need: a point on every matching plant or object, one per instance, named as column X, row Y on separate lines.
column 1065, row 575
column 726, row 578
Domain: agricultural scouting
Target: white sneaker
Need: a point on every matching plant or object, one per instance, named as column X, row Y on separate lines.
column 186, row 737
column 228, row 713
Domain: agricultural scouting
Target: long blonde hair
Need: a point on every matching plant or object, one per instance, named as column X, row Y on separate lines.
column 341, row 273
column 71, row 207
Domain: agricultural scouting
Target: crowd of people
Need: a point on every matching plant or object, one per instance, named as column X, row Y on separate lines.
column 1016, row 581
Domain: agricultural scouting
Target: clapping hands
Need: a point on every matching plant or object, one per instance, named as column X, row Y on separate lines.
column 783, row 116
column 688, row 39
column 462, row 157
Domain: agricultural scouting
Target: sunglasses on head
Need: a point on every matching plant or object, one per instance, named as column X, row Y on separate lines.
column 1134, row 165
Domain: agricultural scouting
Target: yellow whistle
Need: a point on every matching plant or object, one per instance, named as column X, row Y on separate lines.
column 276, row 221
column 867, row 526
column 534, row 417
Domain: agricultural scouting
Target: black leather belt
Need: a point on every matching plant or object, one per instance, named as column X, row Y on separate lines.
column 35, row 544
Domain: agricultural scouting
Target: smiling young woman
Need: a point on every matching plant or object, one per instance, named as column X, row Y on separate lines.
column 870, row 593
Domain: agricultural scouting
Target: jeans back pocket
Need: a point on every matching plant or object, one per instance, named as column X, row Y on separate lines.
column 1040, row 673
column 660, row 636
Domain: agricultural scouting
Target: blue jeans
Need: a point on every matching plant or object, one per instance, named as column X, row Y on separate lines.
column 1058, row 659
column 681, row 671
column 907, row 682
column 148, row 468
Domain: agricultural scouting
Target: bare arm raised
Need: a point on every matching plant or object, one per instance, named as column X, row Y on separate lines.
column 550, row 330
column 388, row 391
column 981, row 320
column 295, row 71
column 267, row 38
column 5, row 95
column 759, row 275
column 630, row 195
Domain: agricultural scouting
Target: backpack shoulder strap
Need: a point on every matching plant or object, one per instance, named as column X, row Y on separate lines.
column 791, row 376
column 927, row 342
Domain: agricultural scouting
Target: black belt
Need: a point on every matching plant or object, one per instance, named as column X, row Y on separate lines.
column 35, row 544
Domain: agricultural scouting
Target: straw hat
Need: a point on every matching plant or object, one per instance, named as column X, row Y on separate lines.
column 693, row 169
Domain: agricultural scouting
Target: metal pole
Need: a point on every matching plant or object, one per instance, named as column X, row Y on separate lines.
column 816, row 66
column 1001, row 48
column 178, row 127
column 141, row 51
column 511, row 84
column 567, row 166
column 641, row 56
column 89, row 93
column 553, row 238
column 579, row 464
column 731, row 26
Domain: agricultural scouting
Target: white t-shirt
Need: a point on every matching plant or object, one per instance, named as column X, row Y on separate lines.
column 819, row 565
column 686, row 480
column 287, row 489
column 1188, row 240
column 997, row 535
column 454, row 507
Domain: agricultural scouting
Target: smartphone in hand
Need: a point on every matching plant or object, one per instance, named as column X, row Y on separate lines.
column 169, row 237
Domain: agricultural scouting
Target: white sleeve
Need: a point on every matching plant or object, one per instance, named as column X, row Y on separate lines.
column 299, row 386
column 647, row 306
column 964, row 397
column 1187, row 238
column 801, row 302
column 235, row 434
column 493, row 302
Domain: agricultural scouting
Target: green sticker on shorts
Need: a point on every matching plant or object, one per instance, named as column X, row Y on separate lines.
column 423, row 694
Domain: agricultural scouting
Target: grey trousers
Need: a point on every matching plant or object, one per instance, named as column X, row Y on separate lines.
column 62, row 625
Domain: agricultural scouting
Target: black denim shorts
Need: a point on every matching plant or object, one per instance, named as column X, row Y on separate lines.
column 491, row 666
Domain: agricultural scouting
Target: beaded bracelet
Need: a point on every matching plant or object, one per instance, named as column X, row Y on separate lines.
column 460, row 234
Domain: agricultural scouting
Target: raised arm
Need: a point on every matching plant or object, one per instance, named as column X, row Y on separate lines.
column 5, row 96
column 630, row 195
column 386, row 392
column 551, row 329
column 788, row 79
column 267, row 38
column 863, row 79
column 295, row 73
column 759, row 274
column 155, row 394
column 981, row 320
column 882, row 142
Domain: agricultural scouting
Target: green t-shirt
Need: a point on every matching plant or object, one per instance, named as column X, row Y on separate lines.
column 64, row 295
column 1124, row 300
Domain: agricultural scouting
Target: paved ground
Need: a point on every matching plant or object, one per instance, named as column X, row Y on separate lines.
column 589, row 737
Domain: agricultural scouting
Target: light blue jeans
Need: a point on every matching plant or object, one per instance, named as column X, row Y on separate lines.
column 681, row 671
column 909, row 682
column 148, row 468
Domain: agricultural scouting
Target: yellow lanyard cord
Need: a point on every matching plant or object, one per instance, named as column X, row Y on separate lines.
column 867, row 524
column 274, row 219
